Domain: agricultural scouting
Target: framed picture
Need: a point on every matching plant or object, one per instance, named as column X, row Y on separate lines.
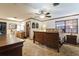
column 12, row 26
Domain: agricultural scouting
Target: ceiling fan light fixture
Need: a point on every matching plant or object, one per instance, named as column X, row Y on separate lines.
column 42, row 16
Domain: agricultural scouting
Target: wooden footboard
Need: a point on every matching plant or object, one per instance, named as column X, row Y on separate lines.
column 49, row 39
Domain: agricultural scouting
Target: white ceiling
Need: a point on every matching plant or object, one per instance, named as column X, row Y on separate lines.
column 20, row 10
column 25, row 10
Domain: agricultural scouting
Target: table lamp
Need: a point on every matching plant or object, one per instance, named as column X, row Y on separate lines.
column 71, row 27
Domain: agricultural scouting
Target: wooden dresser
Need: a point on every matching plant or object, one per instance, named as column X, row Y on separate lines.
column 48, row 38
column 20, row 35
column 10, row 46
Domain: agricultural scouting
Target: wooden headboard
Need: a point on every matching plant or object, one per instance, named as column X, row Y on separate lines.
column 51, row 30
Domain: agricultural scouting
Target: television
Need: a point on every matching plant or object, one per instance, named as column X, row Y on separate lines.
column 2, row 28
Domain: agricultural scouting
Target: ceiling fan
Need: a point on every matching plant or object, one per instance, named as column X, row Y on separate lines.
column 45, row 13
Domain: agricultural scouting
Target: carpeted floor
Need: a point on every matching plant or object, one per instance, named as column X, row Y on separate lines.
column 31, row 49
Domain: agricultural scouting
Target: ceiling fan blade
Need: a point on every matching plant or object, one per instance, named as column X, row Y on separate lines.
column 56, row 4
column 47, row 13
column 48, row 16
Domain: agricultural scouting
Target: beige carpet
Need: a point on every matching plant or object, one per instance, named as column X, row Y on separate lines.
column 31, row 49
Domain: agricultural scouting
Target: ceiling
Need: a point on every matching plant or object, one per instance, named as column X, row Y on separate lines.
column 23, row 11
column 13, row 10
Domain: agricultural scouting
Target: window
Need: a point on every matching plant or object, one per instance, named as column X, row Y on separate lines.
column 68, row 26
column 3, row 28
column 60, row 25
column 33, row 25
column 37, row 25
column 72, row 26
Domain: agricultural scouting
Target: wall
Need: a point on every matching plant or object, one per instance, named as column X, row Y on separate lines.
column 8, row 22
column 51, row 23
column 33, row 29
column 63, row 9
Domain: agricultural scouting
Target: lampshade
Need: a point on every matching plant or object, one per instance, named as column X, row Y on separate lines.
column 71, row 26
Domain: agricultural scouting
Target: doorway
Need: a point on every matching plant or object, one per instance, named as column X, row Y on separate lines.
column 27, row 29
